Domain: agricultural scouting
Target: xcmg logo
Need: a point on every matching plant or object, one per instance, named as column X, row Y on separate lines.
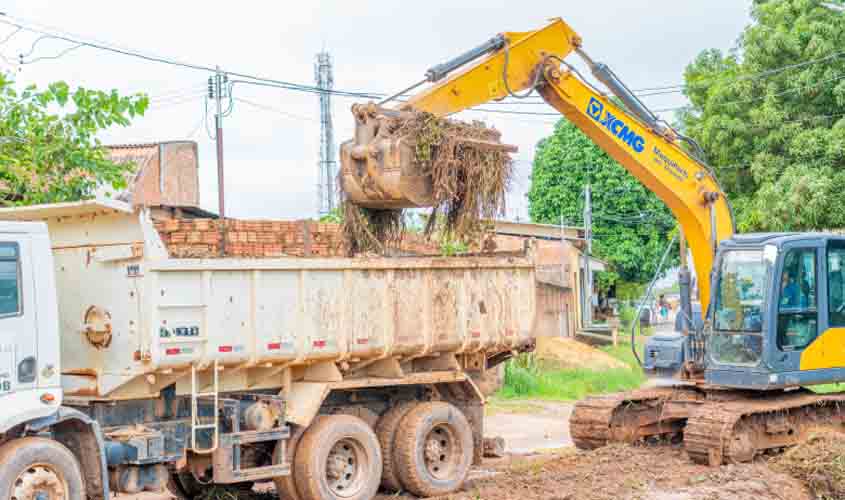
column 617, row 127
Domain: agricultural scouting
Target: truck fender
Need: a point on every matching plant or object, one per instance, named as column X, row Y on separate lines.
column 28, row 408
column 82, row 436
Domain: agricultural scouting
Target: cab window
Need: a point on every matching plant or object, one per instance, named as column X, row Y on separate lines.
column 10, row 280
column 836, row 283
column 797, row 308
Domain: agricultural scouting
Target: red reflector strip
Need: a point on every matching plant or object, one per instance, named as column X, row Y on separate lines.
column 172, row 351
column 224, row 348
column 274, row 346
column 475, row 335
column 363, row 341
column 319, row 343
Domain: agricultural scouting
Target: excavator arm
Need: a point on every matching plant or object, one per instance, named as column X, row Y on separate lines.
column 649, row 150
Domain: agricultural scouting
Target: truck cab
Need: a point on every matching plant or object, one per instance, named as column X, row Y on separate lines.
column 29, row 334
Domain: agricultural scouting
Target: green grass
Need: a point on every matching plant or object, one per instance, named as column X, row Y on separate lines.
column 524, row 379
column 827, row 388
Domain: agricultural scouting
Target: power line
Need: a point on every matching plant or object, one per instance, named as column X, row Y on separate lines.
column 749, row 76
column 9, row 37
column 274, row 110
column 169, row 104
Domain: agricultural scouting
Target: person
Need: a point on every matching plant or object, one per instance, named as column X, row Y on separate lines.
column 664, row 308
column 790, row 292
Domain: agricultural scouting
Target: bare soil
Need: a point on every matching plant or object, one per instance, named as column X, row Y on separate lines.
column 627, row 473
column 542, row 465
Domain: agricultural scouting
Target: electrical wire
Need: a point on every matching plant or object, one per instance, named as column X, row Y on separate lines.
column 211, row 136
column 9, row 37
column 274, row 110
column 57, row 56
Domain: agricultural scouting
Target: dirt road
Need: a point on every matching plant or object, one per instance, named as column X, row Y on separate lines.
column 529, row 426
column 542, row 464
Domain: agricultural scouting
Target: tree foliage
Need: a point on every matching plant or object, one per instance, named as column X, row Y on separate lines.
column 630, row 224
column 49, row 150
column 771, row 116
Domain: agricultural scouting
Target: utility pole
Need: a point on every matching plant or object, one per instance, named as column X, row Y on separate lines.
column 217, row 90
column 588, row 275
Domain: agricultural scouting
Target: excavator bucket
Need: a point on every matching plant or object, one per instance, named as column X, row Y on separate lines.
column 379, row 168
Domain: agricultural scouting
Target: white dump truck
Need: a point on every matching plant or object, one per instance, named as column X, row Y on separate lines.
column 125, row 370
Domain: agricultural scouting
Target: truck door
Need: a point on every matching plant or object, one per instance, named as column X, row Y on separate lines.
column 18, row 339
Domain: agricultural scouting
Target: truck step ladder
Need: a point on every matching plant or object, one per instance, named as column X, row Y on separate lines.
column 196, row 423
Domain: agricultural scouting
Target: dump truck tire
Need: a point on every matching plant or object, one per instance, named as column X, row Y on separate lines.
column 286, row 486
column 434, row 449
column 338, row 458
column 386, row 433
column 34, row 466
column 182, row 486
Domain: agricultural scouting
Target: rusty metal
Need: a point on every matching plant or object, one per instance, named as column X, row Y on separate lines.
column 379, row 170
column 631, row 416
column 737, row 426
column 226, row 459
column 98, row 327
column 718, row 426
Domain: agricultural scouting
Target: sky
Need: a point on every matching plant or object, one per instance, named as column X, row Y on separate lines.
column 272, row 136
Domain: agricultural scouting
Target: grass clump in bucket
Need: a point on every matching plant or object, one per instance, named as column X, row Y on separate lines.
column 470, row 175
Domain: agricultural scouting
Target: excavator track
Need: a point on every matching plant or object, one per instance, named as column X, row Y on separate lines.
column 739, row 428
column 631, row 416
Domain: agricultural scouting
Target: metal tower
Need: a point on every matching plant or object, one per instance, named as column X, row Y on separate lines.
column 327, row 165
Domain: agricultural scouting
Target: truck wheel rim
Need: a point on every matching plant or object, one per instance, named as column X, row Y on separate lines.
column 39, row 482
column 346, row 468
column 441, row 452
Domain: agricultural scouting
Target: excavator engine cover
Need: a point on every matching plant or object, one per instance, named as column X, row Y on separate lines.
column 378, row 170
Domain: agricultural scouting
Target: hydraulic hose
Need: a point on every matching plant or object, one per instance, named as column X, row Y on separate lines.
column 646, row 296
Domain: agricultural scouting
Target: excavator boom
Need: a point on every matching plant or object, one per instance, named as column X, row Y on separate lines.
column 514, row 62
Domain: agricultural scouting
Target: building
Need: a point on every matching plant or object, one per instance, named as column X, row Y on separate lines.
column 562, row 299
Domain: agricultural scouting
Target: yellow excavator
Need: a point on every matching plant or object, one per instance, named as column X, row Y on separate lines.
column 772, row 304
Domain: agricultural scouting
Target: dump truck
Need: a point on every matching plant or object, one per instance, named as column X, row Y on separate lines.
column 123, row 369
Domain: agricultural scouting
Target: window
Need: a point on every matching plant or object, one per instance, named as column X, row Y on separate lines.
column 10, row 282
column 797, row 310
column 836, row 282
column 739, row 307
column 741, row 294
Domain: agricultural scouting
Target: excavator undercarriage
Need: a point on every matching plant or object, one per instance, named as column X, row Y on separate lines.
column 717, row 425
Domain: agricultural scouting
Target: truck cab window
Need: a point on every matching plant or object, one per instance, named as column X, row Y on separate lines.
column 10, row 286
column 797, row 310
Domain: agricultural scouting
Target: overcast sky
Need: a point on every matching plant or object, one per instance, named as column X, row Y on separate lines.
column 377, row 46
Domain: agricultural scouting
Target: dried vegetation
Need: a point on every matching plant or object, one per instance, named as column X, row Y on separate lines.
column 819, row 463
column 470, row 180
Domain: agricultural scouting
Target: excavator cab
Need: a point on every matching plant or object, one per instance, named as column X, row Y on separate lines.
column 776, row 316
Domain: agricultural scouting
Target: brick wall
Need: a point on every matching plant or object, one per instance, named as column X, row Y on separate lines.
column 200, row 238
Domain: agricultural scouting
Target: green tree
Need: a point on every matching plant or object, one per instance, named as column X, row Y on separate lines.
column 630, row 224
column 771, row 116
column 49, row 150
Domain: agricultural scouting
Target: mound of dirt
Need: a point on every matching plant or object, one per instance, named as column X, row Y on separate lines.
column 620, row 472
column 563, row 353
column 819, row 463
